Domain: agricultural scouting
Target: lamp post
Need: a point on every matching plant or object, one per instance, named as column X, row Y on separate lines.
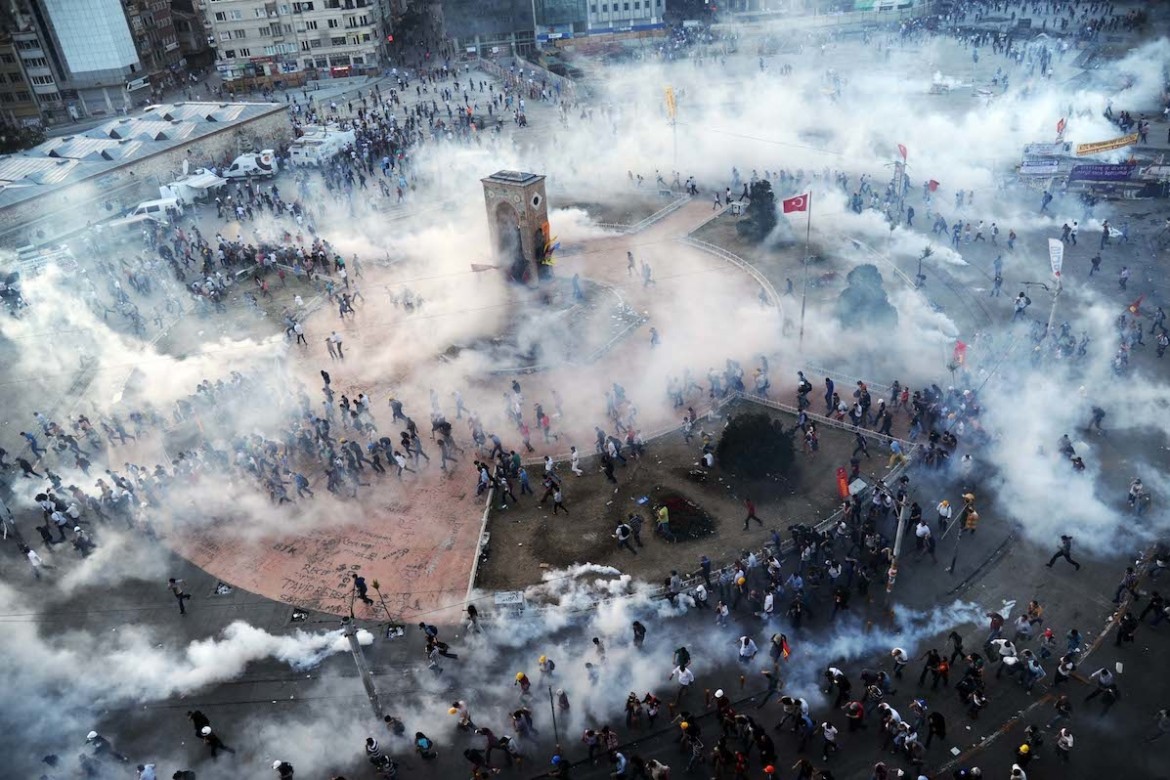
column 1055, row 297
column 920, row 278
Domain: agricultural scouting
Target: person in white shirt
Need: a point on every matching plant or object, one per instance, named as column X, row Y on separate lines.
column 575, row 461
column 685, row 678
column 900, row 660
column 1064, row 744
column 35, row 561
column 747, row 649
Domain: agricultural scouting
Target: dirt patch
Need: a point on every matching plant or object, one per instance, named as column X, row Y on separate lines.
column 527, row 538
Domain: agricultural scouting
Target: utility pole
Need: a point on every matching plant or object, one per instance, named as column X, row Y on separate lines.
column 363, row 668
column 553, row 708
column 903, row 519
column 960, row 523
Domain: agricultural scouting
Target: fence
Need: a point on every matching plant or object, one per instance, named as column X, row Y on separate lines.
column 738, row 262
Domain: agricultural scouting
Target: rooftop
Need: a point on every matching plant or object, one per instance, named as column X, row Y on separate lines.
column 59, row 162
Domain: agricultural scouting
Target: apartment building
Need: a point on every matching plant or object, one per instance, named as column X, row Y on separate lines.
column 94, row 57
column 487, row 27
column 18, row 104
column 265, row 43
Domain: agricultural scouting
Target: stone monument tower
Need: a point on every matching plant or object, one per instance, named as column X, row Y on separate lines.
column 517, row 214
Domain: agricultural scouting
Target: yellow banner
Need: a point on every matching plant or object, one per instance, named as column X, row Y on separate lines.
column 1107, row 146
column 671, row 105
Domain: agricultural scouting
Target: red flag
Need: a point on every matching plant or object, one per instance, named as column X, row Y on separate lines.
column 798, row 203
column 1136, row 306
column 932, row 185
column 785, row 649
column 902, row 151
column 1060, row 126
column 960, row 354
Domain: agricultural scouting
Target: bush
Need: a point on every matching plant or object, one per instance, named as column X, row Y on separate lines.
column 760, row 217
column 755, row 446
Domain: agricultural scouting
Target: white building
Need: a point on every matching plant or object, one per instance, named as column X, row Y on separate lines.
column 266, row 42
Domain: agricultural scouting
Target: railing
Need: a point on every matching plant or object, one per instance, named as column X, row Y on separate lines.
column 642, row 224
column 739, row 262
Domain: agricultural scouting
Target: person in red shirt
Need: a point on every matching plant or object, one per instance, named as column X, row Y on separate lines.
column 751, row 514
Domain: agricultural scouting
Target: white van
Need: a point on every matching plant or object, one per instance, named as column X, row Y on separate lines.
column 262, row 164
column 318, row 148
column 157, row 209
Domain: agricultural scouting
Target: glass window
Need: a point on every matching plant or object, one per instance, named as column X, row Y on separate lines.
column 332, row 24
column 245, row 52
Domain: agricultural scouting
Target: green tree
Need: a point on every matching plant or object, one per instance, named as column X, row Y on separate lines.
column 753, row 445
column 760, row 218
column 864, row 300
column 16, row 139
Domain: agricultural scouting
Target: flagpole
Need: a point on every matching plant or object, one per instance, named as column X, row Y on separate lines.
column 804, row 291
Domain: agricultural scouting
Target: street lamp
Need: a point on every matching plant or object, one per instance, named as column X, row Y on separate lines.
column 1055, row 296
column 920, row 278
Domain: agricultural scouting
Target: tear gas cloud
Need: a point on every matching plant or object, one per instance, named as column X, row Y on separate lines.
column 723, row 123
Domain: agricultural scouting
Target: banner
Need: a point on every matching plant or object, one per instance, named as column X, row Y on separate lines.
column 1107, row 146
column 902, row 151
column 1039, row 167
column 1056, row 255
column 671, row 104
column 1047, row 150
column 1119, row 172
column 842, row 483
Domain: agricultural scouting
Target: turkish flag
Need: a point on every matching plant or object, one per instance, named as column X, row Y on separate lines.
column 1136, row 306
column 960, row 354
column 1060, row 126
column 798, row 203
column 932, row 185
column 902, row 151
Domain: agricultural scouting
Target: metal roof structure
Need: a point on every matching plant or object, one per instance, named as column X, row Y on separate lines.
column 66, row 160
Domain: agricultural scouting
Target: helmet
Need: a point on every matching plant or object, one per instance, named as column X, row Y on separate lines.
column 719, row 694
column 91, row 736
column 452, row 711
column 556, row 760
column 276, row 764
column 205, row 730
column 769, row 769
column 542, row 659
column 684, row 725
column 1025, row 749
column 560, row 691
column 519, row 676
column 741, row 581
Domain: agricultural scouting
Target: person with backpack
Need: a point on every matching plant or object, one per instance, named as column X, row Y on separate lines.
column 424, row 746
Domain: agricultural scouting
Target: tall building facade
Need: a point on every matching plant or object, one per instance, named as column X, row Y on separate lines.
column 488, row 27
column 18, row 104
column 95, row 57
column 261, row 43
